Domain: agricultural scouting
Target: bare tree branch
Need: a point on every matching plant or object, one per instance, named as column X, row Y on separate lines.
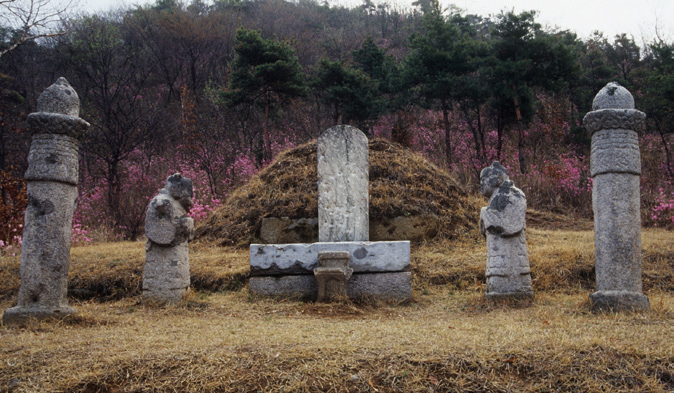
column 32, row 19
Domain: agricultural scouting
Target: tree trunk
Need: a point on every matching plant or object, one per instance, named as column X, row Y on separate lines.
column 668, row 155
column 266, row 143
column 448, row 143
column 520, row 134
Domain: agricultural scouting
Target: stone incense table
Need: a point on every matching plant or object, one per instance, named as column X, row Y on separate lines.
column 166, row 277
column 615, row 166
column 52, row 194
column 503, row 224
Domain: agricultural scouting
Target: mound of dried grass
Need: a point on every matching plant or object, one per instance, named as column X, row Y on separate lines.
column 402, row 183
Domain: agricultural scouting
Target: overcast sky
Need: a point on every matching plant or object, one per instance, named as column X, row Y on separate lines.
column 636, row 17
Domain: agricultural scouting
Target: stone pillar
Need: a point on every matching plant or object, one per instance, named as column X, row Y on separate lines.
column 166, row 277
column 343, row 179
column 615, row 166
column 503, row 224
column 52, row 196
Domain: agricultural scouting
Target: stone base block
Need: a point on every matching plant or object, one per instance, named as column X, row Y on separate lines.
column 509, row 296
column 302, row 258
column 619, row 301
column 380, row 286
column 19, row 315
column 167, row 296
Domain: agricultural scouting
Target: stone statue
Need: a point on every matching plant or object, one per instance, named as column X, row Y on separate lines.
column 503, row 224
column 168, row 230
column 52, row 179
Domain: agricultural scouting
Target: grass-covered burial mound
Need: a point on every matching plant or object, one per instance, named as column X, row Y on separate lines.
column 402, row 183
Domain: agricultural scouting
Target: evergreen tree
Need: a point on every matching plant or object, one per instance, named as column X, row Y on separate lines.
column 437, row 65
column 264, row 72
column 351, row 93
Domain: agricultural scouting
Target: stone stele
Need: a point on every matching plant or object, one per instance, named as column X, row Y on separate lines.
column 615, row 166
column 503, row 224
column 168, row 229
column 52, row 179
column 343, row 181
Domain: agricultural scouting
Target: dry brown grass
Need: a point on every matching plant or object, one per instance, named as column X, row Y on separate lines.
column 448, row 339
column 561, row 261
column 445, row 341
column 401, row 183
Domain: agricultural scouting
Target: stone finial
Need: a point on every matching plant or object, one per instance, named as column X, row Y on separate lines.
column 613, row 96
column 59, row 98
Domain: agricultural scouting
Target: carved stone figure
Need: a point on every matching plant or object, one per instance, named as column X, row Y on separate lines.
column 168, row 230
column 615, row 166
column 503, row 224
column 52, row 178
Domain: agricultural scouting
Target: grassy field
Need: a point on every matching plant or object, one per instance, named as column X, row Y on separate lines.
column 448, row 339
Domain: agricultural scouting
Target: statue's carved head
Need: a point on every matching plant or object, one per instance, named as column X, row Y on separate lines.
column 180, row 189
column 492, row 177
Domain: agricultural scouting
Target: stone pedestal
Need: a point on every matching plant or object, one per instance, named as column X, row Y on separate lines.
column 615, row 169
column 332, row 274
column 52, row 194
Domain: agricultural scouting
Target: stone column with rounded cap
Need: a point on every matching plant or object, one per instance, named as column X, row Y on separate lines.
column 52, row 195
column 615, row 166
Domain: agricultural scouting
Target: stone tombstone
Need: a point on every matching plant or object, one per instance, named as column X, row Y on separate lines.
column 168, row 229
column 52, row 179
column 615, row 166
column 503, row 224
column 343, row 179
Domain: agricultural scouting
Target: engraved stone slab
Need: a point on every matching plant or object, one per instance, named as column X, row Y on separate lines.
column 381, row 286
column 343, row 180
column 302, row 258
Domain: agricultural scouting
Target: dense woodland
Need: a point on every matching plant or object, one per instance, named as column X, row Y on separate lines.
column 217, row 90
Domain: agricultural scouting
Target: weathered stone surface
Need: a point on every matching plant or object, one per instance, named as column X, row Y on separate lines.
column 301, row 258
column 285, row 230
column 343, row 182
column 53, row 157
column 615, row 163
column 615, row 151
column 332, row 274
column 168, row 229
column 503, row 224
column 613, row 96
column 615, row 301
column 52, row 194
column 59, row 98
column 412, row 228
column 45, row 252
column 617, row 232
column 166, row 277
column 305, row 230
column 381, row 286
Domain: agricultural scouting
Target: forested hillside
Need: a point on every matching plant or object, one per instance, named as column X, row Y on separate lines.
column 217, row 90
